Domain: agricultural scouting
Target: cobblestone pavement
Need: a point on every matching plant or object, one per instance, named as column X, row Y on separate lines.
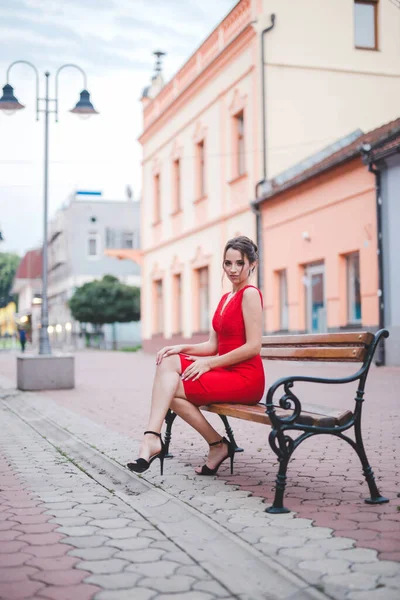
column 64, row 536
column 333, row 541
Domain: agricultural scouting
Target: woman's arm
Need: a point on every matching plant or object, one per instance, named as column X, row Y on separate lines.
column 252, row 315
column 205, row 349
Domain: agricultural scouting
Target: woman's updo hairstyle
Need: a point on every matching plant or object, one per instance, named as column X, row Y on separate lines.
column 245, row 246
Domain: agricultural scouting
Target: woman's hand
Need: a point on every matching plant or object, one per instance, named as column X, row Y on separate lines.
column 196, row 369
column 168, row 351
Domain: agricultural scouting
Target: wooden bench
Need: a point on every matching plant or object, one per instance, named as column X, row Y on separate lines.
column 283, row 411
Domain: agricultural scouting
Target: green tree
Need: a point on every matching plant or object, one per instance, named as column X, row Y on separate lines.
column 106, row 301
column 8, row 266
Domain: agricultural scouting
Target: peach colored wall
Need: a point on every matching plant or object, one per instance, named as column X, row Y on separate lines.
column 338, row 210
column 317, row 90
column 319, row 87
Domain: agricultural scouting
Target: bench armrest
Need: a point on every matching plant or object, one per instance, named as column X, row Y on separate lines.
column 289, row 401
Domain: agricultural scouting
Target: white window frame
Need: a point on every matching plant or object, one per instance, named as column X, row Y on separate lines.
column 310, row 270
column 159, row 302
column 283, row 301
column 351, row 318
column 204, row 299
column 93, row 236
column 128, row 235
column 241, row 144
column 374, row 5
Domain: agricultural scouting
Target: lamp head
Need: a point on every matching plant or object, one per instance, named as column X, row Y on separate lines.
column 8, row 102
column 84, row 108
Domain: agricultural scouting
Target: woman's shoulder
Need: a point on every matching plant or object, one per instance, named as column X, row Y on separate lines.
column 252, row 294
column 251, row 290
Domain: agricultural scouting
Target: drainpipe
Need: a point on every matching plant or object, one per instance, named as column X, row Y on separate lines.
column 380, row 358
column 255, row 207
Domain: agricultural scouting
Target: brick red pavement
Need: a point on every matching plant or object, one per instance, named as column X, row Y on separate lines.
column 325, row 479
column 33, row 562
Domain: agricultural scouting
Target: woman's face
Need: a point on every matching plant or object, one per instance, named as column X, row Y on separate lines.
column 236, row 267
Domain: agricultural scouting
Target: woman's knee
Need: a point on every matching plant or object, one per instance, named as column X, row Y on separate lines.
column 170, row 363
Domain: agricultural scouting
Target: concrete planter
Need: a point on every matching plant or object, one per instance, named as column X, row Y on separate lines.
column 45, row 372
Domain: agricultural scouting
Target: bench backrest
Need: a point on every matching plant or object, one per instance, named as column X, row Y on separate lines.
column 337, row 347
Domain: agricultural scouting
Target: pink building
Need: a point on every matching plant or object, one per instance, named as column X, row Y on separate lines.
column 319, row 223
column 276, row 81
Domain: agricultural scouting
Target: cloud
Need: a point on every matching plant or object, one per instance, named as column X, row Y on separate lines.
column 94, row 4
column 46, row 29
column 101, row 54
column 91, row 53
column 153, row 28
column 19, row 6
column 189, row 11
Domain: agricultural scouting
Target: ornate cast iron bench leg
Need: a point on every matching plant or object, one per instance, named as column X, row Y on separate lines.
column 376, row 497
column 169, row 419
column 229, row 433
column 283, row 450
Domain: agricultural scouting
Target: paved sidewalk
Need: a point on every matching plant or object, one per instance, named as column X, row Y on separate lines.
column 69, row 537
column 325, row 487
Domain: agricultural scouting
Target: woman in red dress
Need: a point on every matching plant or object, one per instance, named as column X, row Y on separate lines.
column 227, row 368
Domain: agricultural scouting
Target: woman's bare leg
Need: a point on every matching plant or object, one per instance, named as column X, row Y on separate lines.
column 194, row 417
column 168, row 392
column 165, row 385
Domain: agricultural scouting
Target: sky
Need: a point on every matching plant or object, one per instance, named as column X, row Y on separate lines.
column 112, row 41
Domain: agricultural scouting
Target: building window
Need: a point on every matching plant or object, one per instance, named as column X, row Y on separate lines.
column 204, row 303
column 314, row 283
column 158, row 306
column 177, row 290
column 117, row 238
column 239, row 123
column 283, row 302
column 93, row 245
column 127, row 239
column 177, row 186
column 110, row 238
column 201, row 169
column 353, row 288
column 157, row 199
column 366, row 24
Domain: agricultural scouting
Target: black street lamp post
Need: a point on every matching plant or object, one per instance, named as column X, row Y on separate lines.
column 84, row 107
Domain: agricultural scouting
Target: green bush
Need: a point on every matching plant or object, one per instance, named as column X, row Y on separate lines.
column 131, row 348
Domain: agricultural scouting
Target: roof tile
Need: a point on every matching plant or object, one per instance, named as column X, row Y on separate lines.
column 376, row 136
column 30, row 266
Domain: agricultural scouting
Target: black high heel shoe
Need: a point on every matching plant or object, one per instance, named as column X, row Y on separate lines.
column 231, row 454
column 141, row 465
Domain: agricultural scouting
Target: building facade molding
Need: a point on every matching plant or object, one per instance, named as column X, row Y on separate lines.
column 200, row 259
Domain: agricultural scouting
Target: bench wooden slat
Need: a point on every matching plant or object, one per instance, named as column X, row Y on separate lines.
column 352, row 338
column 329, row 353
column 310, row 415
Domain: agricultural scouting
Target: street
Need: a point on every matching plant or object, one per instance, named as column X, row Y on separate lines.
column 64, row 488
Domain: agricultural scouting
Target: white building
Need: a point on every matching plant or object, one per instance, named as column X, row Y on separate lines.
column 79, row 235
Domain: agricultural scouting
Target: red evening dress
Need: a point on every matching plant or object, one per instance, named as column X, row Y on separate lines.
column 242, row 382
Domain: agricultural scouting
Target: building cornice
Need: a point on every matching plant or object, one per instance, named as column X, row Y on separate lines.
column 166, row 110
